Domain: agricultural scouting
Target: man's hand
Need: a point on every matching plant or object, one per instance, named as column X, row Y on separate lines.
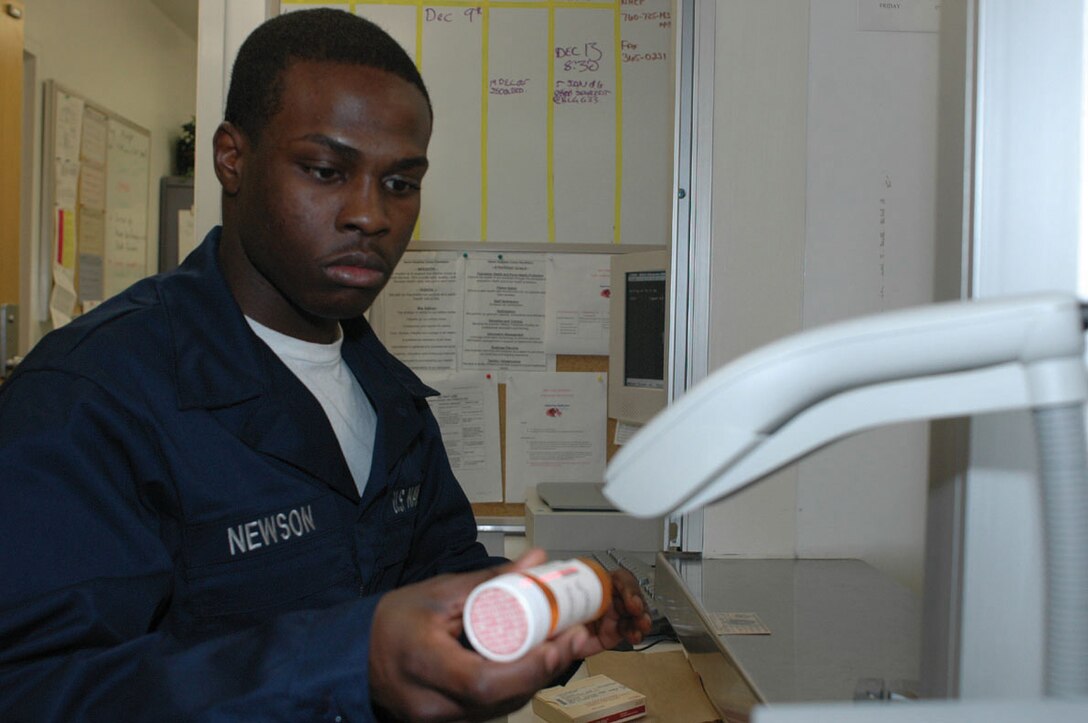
column 419, row 671
column 628, row 618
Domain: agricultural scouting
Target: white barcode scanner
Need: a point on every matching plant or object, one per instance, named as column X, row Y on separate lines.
column 778, row 403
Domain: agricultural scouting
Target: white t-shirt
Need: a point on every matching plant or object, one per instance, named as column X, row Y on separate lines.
column 325, row 373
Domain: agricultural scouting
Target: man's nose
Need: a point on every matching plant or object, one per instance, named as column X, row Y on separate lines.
column 363, row 208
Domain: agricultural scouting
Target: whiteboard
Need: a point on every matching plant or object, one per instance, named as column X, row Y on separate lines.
column 553, row 121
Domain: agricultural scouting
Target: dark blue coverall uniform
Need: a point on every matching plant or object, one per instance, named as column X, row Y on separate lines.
column 180, row 535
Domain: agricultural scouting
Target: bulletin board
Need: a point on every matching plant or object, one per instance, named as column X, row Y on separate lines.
column 509, row 333
column 563, row 363
column 96, row 177
column 553, row 120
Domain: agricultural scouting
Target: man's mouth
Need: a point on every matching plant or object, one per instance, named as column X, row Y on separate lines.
column 357, row 269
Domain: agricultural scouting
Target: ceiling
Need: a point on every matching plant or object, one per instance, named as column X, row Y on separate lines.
column 182, row 12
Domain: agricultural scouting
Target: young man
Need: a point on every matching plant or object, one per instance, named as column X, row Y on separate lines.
column 223, row 498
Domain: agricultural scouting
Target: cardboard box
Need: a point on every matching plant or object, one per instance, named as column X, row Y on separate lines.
column 596, row 699
column 674, row 692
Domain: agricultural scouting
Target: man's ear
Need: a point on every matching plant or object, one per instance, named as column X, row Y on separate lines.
column 229, row 145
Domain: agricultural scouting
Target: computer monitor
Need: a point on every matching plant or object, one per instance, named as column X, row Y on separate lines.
column 638, row 333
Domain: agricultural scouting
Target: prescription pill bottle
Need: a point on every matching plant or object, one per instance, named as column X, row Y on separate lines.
column 509, row 614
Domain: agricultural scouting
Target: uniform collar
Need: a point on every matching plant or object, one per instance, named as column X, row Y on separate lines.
column 220, row 364
column 216, row 360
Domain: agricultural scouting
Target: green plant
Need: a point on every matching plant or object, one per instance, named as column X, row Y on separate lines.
column 186, row 148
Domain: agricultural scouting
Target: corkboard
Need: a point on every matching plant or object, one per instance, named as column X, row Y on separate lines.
column 563, row 363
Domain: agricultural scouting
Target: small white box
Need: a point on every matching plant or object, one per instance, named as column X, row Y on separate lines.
column 596, row 699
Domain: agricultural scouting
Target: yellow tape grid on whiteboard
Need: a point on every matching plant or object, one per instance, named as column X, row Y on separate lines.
column 484, row 8
column 485, row 56
column 618, row 61
column 550, row 143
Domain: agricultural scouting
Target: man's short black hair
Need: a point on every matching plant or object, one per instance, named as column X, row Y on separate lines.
column 319, row 34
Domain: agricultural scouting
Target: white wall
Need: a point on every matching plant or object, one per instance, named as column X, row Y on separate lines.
column 824, row 208
column 224, row 26
column 1027, row 235
column 124, row 55
column 870, row 241
column 757, row 264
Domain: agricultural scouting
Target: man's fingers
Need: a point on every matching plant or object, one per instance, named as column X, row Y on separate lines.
column 461, row 681
column 530, row 558
column 451, row 590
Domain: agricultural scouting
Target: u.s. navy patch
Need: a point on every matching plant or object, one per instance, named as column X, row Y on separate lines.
column 404, row 499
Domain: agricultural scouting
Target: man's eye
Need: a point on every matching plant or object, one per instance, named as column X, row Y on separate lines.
column 323, row 173
column 400, row 185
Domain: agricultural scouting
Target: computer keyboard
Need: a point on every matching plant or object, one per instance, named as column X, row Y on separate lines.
column 643, row 571
column 644, row 574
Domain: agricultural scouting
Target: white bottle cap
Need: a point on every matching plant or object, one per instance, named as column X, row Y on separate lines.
column 506, row 616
